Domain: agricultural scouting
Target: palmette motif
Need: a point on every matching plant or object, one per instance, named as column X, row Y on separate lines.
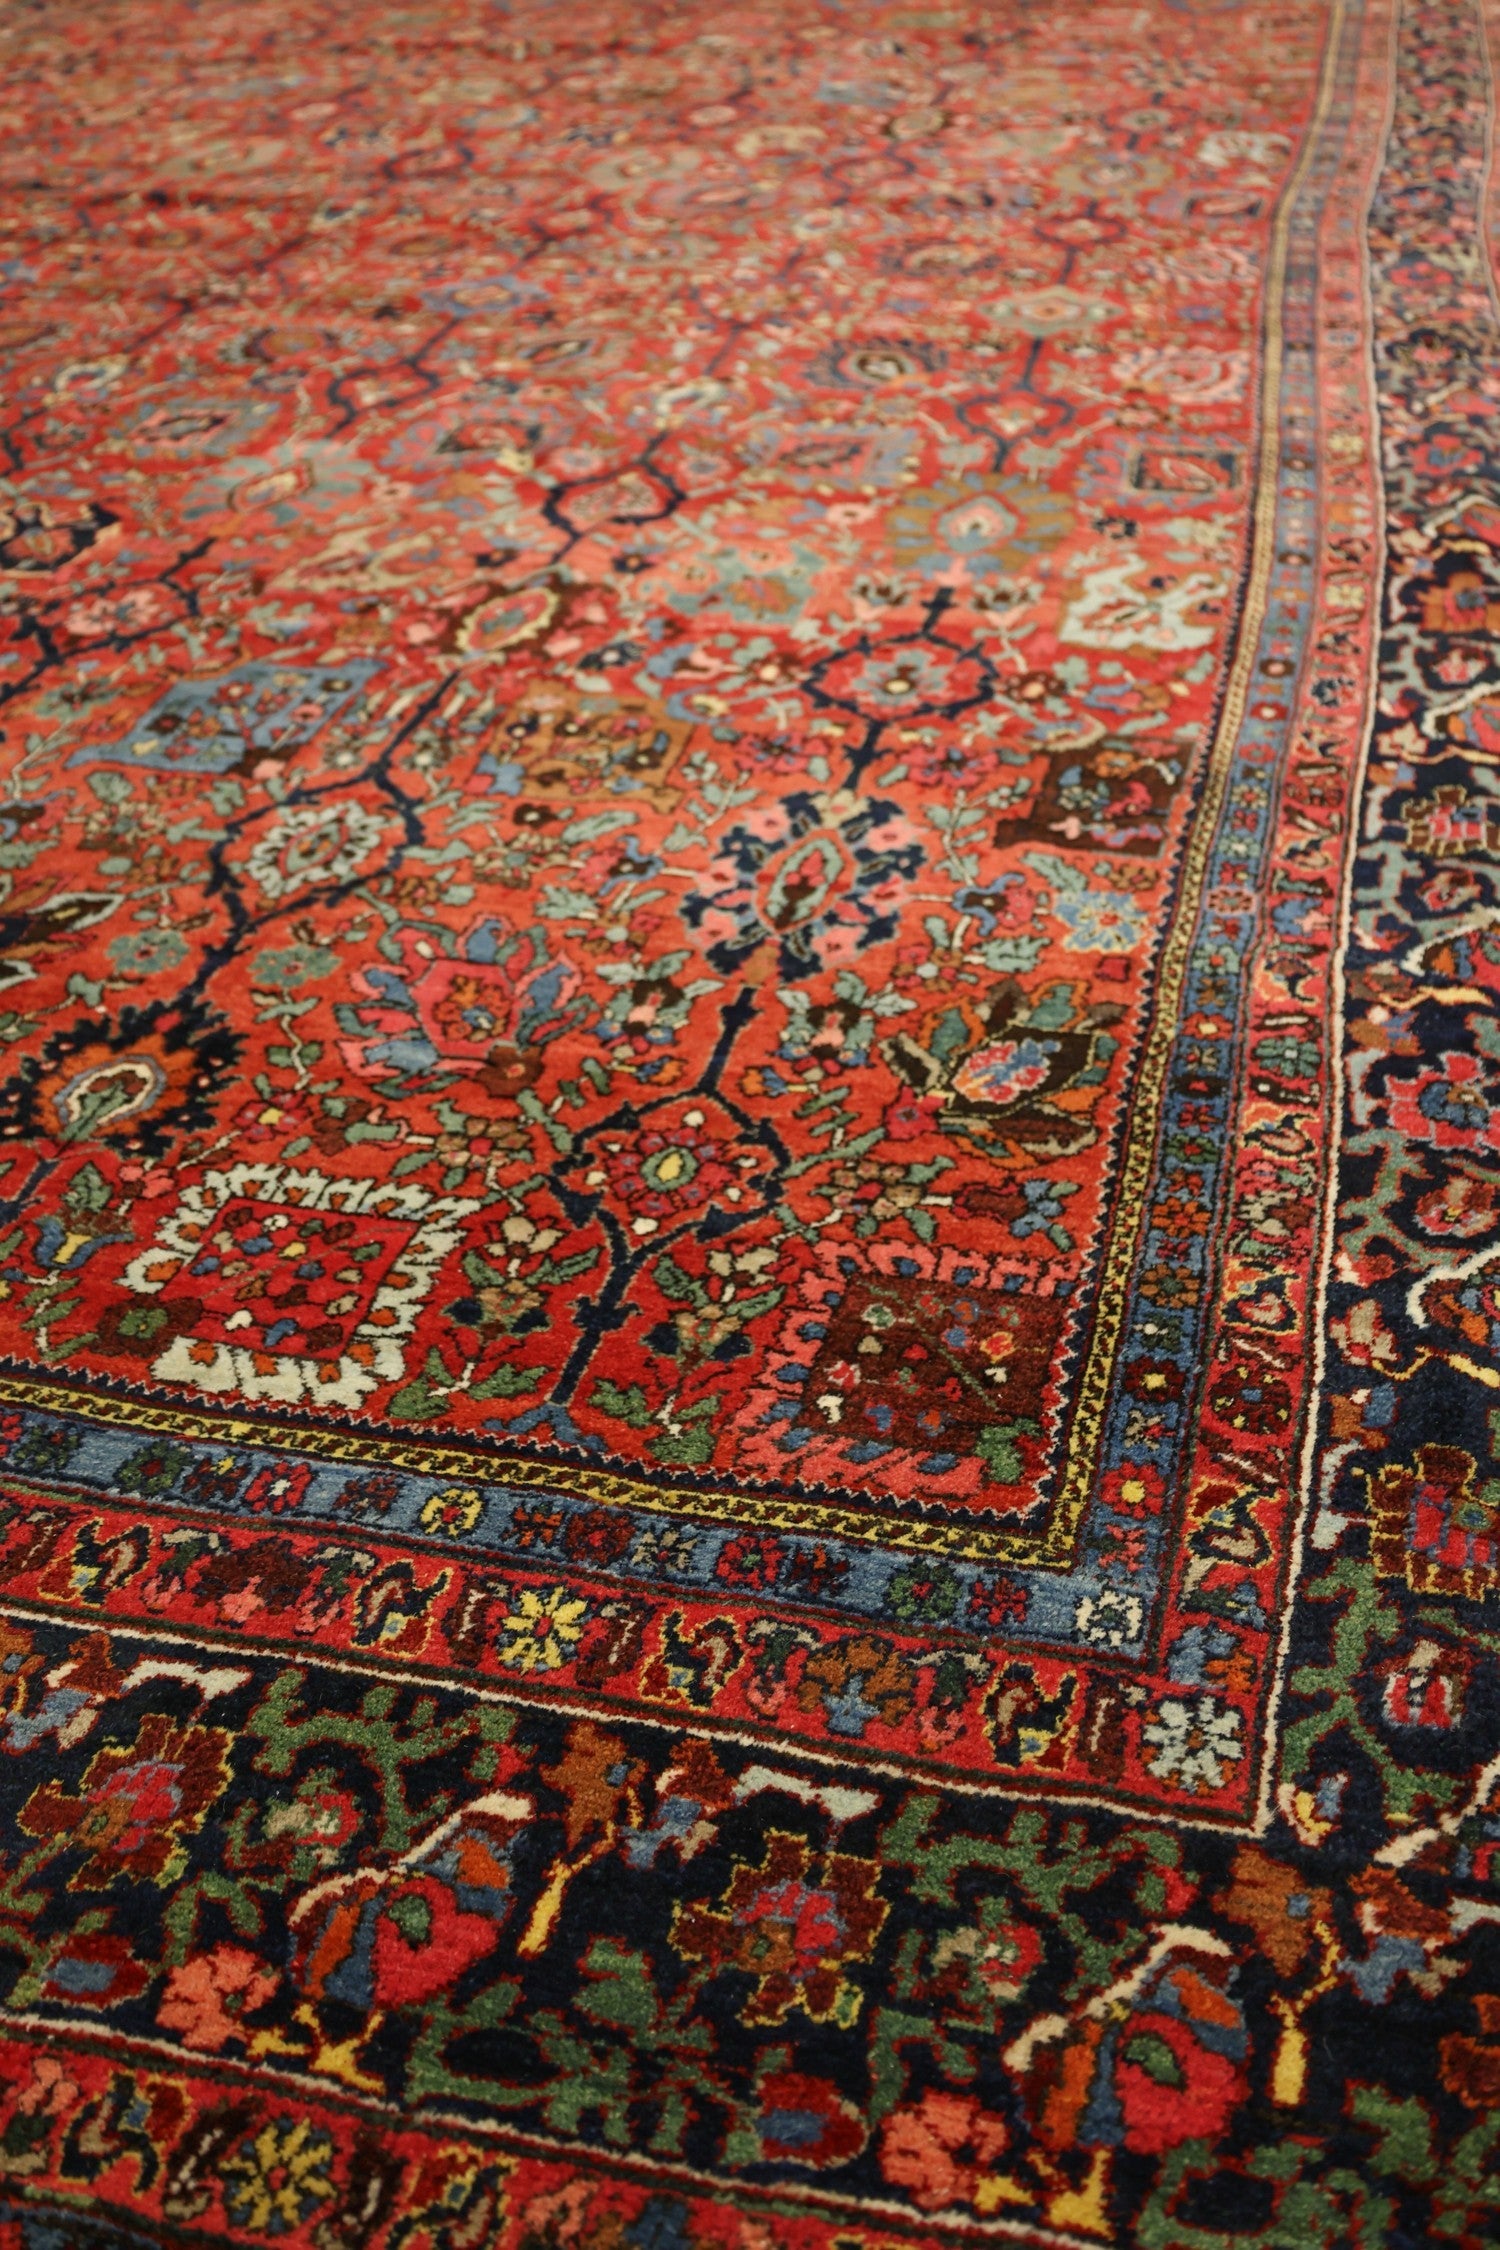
column 750, row 1128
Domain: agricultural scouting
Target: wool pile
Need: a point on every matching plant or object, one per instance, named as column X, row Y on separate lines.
column 749, row 1125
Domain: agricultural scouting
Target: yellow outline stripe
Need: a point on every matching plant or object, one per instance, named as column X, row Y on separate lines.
column 1120, row 1252
column 830, row 1519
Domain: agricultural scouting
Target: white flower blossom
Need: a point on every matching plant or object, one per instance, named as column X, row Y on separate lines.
column 323, row 843
column 1196, row 1742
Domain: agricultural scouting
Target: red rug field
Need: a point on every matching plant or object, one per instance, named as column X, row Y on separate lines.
column 749, row 1125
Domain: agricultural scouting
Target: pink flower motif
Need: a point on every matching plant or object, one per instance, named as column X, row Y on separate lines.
column 840, row 941
column 768, row 822
column 717, row 927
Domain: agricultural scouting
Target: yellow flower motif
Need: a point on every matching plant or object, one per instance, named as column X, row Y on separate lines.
column 277, row 2180
column 541, row 1630
column 454, row 1511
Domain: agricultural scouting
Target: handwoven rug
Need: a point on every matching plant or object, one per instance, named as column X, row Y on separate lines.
column 749, row 1125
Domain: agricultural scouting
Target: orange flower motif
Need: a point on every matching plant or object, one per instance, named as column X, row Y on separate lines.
column 940, row 2149
column 206, row 1998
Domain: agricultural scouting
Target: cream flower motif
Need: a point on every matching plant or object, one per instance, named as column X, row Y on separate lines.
column 541, row 1632
column 1115, row 610
column 1109, row 1618
column 1196, row 1742
column 308, row 844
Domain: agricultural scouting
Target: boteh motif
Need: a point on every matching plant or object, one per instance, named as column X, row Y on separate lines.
column 749, row 1126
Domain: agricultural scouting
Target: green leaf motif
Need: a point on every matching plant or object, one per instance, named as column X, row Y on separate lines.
column 998, row 1450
